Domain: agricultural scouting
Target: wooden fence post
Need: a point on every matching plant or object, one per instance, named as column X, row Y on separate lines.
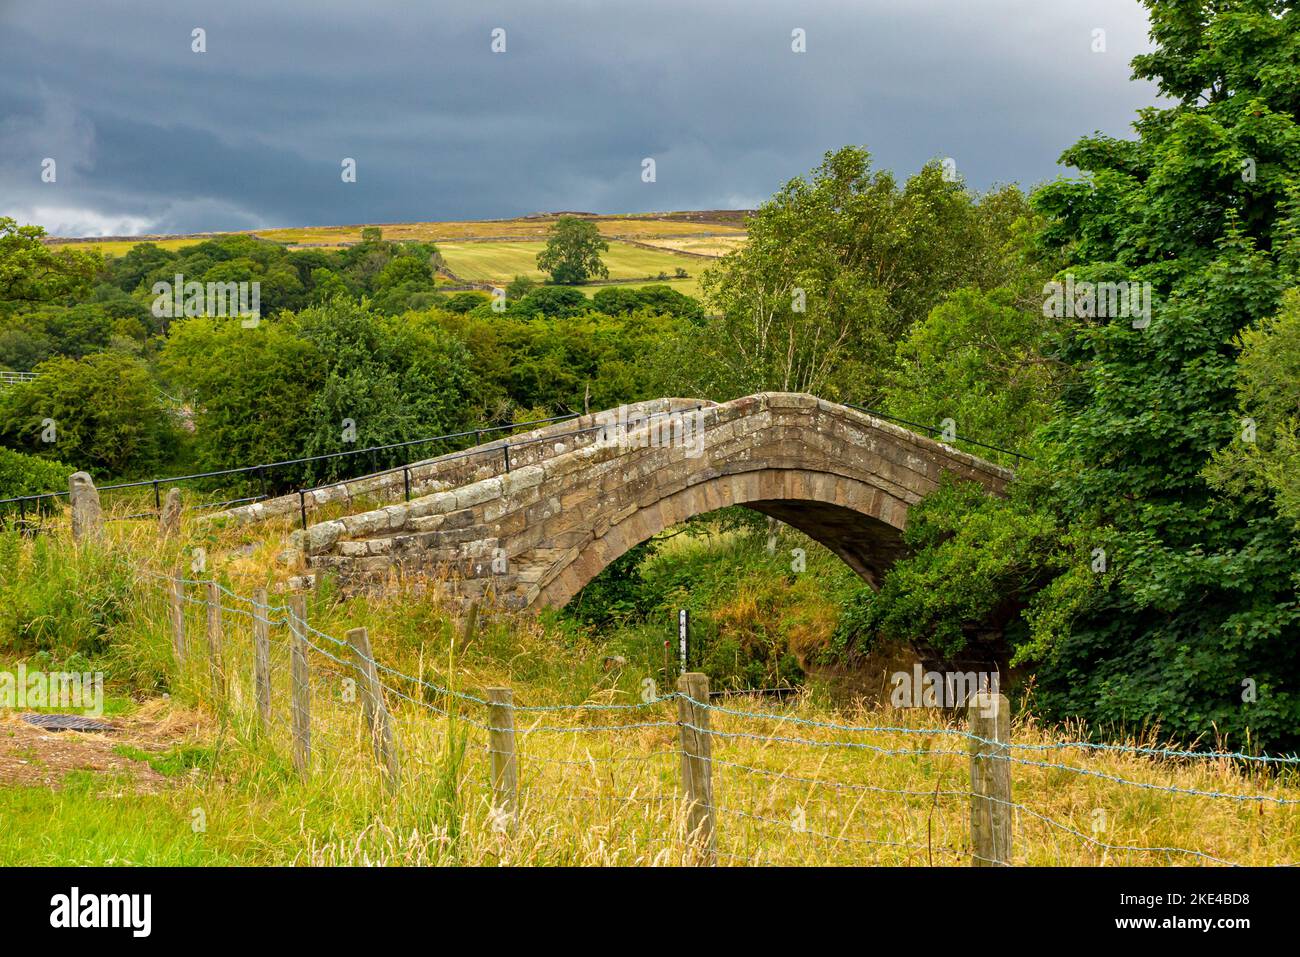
column 697, row 761
column 214, row 641
column 177, row 594
column 262, row 658
column 990, row 780
column 501, row 736
column 301, row 685
column 372, row 705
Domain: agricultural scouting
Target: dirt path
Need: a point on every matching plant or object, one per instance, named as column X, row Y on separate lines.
column 33, row 757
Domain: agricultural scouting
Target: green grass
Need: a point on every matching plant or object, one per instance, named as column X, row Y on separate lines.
column 589, row 795
column 687, row 287
column 122, row 247
column 97, row 821
column 504, row 260
column 172, row 762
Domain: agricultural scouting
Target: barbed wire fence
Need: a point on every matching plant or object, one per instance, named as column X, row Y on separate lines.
column 674, row 778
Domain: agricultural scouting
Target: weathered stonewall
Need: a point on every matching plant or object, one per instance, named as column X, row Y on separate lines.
column 534, row 536
column 87, row 516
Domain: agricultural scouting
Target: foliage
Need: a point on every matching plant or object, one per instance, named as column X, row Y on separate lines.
column 101, row 413
column 1264, row 459
column 334, row 378
column 1177, row 603
column 661, row 300
column 979, row 359
column 977, row 563
column 837, row 267
column 572, row 253
column 29, row 475
column 32, row 272
column 562, row 363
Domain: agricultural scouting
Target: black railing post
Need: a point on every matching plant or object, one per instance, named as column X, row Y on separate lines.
column 505, row 447
column 406, row 481
column 157, row 501
column 302, row 507
column 22, row 516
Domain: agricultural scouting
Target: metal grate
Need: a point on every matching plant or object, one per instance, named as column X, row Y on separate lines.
column 66, row 722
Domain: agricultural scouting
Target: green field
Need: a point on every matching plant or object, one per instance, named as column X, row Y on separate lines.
column 687, row 287
column 502, row 261
column 120, row 247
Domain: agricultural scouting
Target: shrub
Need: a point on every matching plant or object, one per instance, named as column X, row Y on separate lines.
column 28, row 475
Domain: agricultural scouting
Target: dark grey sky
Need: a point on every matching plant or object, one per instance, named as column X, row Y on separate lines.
column 149, row 136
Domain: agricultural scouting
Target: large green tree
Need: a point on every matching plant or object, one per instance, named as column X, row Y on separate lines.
column 101, row 413
column 837, row 267
column 31, row 271
column 333, row 378
column 1266, row 460
column 572, row 253
column 1164, row 599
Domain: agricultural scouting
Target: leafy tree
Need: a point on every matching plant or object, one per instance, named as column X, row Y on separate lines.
column 550, row 301
column 404, row 270
column 1177, row 604
column 247, row 387
column 560, row 363
column 1264, row 459
column 465, row 301
column 572, row 253
column 31, row 271
column 102, row 413
column 519, row 287
column 977, row 361
column 327, row 285
column 662, row 300
column 835, row 271
column 284, row 389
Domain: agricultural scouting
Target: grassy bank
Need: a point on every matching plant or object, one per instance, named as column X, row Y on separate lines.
column 193, row 777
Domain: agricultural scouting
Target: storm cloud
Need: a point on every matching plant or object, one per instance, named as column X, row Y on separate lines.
column 149, row 136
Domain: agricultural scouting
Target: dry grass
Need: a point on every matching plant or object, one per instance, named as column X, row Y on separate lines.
column 600, row 785
column 704, row 245
column 525, row 228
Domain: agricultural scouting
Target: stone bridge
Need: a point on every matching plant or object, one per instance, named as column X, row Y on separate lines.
column 529, row 525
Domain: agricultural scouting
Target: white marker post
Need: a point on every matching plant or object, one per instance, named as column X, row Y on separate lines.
column 683, row 629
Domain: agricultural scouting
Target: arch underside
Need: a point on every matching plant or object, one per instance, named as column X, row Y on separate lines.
column 860, row 522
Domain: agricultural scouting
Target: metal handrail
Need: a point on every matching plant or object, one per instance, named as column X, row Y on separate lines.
column 244, row 469
column 936, row 431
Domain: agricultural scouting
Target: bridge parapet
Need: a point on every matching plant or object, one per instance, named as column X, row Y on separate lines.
column 451, row 470
column 536, row 535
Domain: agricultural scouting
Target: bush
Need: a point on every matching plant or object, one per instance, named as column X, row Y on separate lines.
column 101, row 413
column 28, row 475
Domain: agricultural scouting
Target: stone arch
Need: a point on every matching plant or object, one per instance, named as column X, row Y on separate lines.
column 573, row 502
column 860, row 523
